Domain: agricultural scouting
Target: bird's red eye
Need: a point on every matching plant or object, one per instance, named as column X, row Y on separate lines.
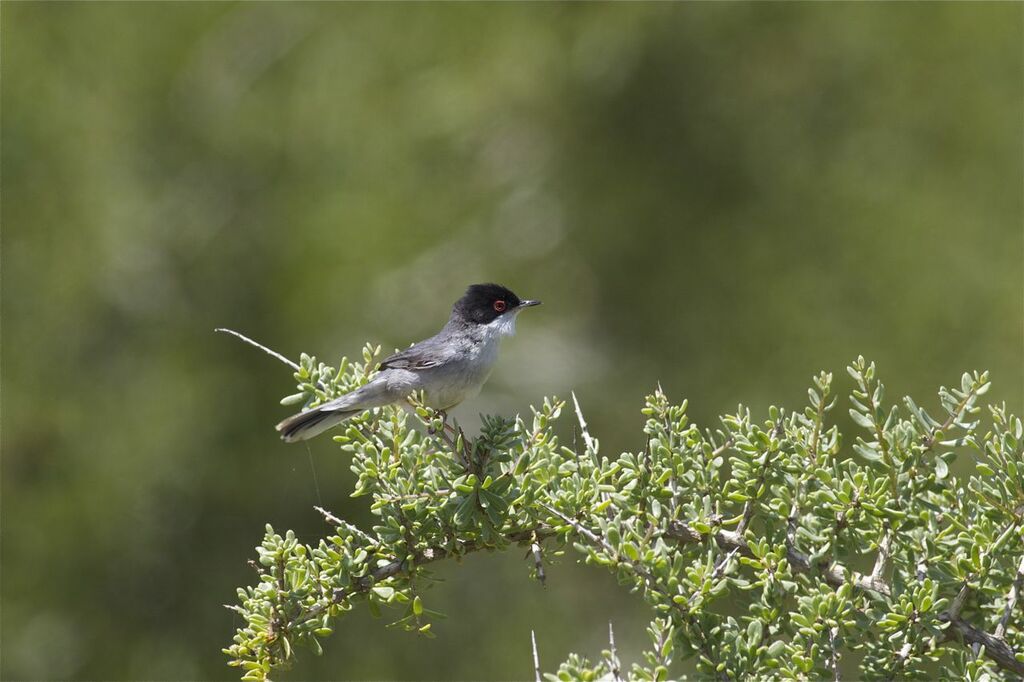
column 500, row 306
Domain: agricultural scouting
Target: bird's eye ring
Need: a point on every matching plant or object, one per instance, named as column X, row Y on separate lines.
column 499, row 306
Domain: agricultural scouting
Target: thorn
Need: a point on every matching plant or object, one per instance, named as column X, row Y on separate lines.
column 536, row 658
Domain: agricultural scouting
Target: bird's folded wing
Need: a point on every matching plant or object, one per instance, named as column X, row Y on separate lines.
column 423, row 355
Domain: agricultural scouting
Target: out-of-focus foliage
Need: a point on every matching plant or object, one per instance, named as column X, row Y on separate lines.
column 722, row 198
column 741, row 538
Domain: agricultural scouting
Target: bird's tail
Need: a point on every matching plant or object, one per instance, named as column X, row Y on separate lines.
column 305, row 425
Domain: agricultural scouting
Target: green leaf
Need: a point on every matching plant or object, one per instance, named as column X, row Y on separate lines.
column 384, row 592
column 754, row 631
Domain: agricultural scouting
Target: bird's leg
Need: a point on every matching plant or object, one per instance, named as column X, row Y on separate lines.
column 467, row 455
column 447, row 426
column 447, row 432
column 452, row 434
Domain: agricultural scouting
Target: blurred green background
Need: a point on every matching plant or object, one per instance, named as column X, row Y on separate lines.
column 722, row 198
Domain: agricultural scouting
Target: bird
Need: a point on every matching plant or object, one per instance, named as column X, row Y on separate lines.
column 449, row 367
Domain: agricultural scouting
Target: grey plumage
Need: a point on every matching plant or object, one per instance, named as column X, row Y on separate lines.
column 449, row 367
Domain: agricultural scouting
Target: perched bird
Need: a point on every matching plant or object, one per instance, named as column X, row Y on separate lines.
column 448, row 367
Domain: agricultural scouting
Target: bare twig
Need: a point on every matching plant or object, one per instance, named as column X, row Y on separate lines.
column 598, row 540
column 723, row 564
column 268, row 351
column 1011, row 601
column 536, row 658
column 958, row 602
column 330, row 518
column 342, row 523
column 587, row 439
column 263, row 348
column 833, row 652
column 614, row 658
column 879, row 578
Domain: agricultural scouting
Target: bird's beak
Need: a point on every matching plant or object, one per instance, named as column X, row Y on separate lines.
column 528, row 304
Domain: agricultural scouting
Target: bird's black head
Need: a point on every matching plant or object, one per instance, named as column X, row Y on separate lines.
column 483, row 303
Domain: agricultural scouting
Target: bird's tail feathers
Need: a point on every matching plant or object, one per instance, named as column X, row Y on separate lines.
column 305, row 425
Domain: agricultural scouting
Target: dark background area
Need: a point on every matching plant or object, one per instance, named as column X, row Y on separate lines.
column 723, row 198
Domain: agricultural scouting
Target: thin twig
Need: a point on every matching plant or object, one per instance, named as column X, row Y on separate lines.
column 614, row 660
column 1011, row 601
column 329, row 517
column 599, row 540
column 723, row 564
column 587, row 439
column 536, row 658
column 880, row 571
column 834, row 653
column 958, row 602
column 272, row 353
column 342, row 523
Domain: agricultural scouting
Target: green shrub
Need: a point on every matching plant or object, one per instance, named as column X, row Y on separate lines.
column 754, row 518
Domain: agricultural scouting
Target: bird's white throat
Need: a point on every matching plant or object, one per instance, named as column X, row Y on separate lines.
column 503, row 325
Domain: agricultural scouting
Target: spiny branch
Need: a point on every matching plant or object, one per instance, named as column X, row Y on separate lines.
column 268, row 351
column 996, row 649
column 399, row 566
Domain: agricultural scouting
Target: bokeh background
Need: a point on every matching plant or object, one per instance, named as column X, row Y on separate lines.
column 722, row 198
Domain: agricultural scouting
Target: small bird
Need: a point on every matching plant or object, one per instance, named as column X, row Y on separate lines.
column 448, row 367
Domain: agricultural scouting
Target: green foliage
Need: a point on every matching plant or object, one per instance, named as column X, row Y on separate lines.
column 744, row 540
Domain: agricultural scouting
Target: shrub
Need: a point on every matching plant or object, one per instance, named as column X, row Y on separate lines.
column 757, row 518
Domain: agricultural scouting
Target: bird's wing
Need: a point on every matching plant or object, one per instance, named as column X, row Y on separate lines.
column 423, row 355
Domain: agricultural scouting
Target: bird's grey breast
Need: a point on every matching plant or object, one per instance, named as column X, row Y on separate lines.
column 472, row 357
